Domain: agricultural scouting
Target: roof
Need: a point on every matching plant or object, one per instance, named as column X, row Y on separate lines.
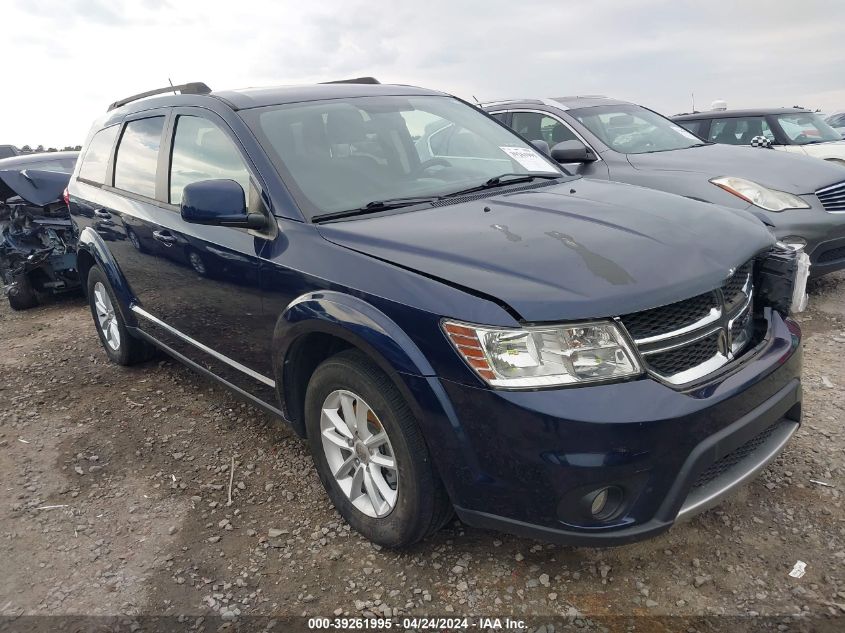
column 22, row 160
column 722, row 114
column 245, row 98
column 564, row 103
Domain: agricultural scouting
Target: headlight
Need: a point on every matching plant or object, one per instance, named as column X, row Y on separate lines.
column 758, row 195
column 544, row 356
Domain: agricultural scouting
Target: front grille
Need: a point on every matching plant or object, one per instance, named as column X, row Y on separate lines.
column 718, row 468
column 735, row 286
column 704, row 332
column 832, row 255
column 833, row 198
column 685, row 358
column 672, row 317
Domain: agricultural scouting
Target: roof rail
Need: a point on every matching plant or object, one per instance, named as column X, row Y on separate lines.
column 193, row 88
column 356, row 80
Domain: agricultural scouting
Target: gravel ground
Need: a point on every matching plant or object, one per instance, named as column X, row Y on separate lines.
column 115, row 501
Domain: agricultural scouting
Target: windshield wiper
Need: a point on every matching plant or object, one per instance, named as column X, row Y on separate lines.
column 502, row 180
column 376, row 206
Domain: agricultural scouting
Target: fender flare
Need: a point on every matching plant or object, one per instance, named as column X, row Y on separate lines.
column 356, row 322
column 94, row 245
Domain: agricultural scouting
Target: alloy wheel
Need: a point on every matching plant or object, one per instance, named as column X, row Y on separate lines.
column 106, row 316
column 359, row 454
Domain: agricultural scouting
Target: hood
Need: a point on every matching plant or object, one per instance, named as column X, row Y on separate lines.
column 576, row 250
column 34, row 186
column 783, row 171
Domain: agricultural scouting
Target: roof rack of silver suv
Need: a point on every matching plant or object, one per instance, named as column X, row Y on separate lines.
column 356, row 80
column 192, row 88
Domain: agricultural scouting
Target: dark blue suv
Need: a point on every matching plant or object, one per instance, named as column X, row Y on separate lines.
column 451, row 321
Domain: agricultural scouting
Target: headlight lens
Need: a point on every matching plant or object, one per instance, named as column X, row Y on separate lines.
column 758, row 195
column 544, row 356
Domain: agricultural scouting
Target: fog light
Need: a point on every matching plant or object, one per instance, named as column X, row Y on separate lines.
column 599, row 503
column 794, row 243
column 604, row 503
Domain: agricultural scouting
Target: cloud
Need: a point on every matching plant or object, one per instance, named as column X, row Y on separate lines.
column 80, row 55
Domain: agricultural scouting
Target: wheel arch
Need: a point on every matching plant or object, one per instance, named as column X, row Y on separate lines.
column 318, row 325
column 92, row 251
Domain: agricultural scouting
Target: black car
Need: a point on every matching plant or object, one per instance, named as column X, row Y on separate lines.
column 37, row 241
column 800, row 198
column 796, row 130
column 576, row 360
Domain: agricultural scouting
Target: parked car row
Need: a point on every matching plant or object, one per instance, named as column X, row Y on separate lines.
column 453, row 317
column 801, row 200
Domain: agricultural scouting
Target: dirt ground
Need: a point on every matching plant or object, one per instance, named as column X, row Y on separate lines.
column 114, row 490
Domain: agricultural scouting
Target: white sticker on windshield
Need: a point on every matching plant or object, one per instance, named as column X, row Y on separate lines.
column 528, row 158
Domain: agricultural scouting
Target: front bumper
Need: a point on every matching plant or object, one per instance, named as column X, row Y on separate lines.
column 824, row 233
column 537, row 455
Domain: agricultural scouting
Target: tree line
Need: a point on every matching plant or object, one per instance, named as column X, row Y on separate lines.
column 26, row 149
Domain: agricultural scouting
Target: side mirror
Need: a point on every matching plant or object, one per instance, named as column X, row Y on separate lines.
column 760, row 141
column 542, row 146
column 218, row 203
column 572, row 151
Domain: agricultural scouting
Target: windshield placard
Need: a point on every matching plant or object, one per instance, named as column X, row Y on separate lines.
column 528, row 159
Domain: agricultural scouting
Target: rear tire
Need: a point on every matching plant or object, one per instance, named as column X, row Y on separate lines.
column 398, row 499
column 120, row 346
column 21, row 294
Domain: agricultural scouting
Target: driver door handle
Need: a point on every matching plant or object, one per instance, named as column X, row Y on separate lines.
column 164, row 237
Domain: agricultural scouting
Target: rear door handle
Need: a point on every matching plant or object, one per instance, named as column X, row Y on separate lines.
column 102, row 213
column 164, row 237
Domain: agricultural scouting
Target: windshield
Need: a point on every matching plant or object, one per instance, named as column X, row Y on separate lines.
column 630, row 129
column 803, row 128
column 343, row 154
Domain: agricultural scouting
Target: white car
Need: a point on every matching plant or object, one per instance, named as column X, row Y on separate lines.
column 788, row 129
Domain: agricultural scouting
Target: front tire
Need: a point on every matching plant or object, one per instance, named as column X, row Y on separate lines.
column 120, row 346
column 370, row 453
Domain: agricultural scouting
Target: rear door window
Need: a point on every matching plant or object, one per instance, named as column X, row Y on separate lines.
column 739, row 130
column 96, row 161
column 203, row 151
column 541, row 127
column 137, row 156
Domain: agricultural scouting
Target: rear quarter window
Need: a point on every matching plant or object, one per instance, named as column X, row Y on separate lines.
column 137, row 156
column 692, row 126
column 96, row 160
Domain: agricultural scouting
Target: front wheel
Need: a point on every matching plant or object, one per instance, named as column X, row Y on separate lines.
column 370, row 454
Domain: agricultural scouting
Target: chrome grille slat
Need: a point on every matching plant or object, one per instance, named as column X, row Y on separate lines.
column 681, row 343
column 833, row 197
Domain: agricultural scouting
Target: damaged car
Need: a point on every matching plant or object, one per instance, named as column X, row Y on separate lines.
column 37, row 239
column 561, row 357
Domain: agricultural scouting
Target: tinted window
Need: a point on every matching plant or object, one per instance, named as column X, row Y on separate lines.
column 541, row 127
column 692, row 126
column 202, row 151
column 739, row 130
column 96, row 161
column 137, row 156
column 62, row 165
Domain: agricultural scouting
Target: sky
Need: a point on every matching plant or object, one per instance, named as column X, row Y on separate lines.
column 66, row 60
